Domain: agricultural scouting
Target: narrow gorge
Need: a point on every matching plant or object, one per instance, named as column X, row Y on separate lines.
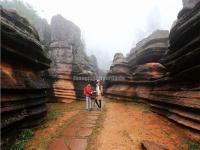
column 45, row 67
column 34, row 73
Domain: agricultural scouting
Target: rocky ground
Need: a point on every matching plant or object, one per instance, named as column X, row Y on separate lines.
column 119, row 126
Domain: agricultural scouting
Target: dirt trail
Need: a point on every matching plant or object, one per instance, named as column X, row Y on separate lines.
column 127, row 124
column 119, row 126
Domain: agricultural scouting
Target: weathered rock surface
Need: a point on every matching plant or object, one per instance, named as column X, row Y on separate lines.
column 184, row 42
column 149, row 71
column 94, row 63
column 151, row 49
column 148, row 145
column 137, row 70
column 170, row 82
column 119, row 66
column 119, row 73
column 83, row 72
column 188, row 5
column 178, row 97
column 44, row 31
column 69, row 60
column 23, row 97
column 61, row 53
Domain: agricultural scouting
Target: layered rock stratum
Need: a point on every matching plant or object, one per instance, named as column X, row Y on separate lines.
column 140, row 67
column 165, row 70
column 23, row 91
column 178, row 98
column 71, row 68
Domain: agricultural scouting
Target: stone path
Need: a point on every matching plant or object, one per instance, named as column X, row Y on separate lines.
column 76, row 134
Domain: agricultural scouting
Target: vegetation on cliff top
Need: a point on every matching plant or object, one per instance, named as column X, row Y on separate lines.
column 24, row 9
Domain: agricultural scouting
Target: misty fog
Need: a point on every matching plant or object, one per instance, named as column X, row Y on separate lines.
column 111, row 26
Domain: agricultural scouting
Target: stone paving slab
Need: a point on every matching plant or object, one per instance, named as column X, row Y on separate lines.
column 87, row 125
column 90, row 121
column 69, row 132
column 84, row 132
column 57, row 144
column 77, row 144
column 76, row 133
column 92, row 118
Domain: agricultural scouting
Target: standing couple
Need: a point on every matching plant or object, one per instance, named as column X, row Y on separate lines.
column 88, row 94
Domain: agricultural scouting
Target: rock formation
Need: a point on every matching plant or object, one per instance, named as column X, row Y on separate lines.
column 63, row 42
column 119, row 73
column 138, row 68
column 178, row 98
column 100, row 73
column 184, row 42
column 44, row 31
column 23, row 97
column 187, row 7
column 119, row 66
column 150, row 49
column 168, row 78
column 148, row 145
column 71, row 67
column 83, row 72
column 149, row 72
column 94, row 63
column 69, row 60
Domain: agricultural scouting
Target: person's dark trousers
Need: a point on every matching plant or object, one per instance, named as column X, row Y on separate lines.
column 97, row 103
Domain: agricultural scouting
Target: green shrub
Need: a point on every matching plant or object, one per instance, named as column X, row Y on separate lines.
column 21, row 140
column 146, row 109
column 193, row 145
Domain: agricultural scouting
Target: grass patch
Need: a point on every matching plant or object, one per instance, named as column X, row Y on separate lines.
column 44, row 132
column 192, row 145
column 55, row 110
column 53, row 113
column 146, row 109
column 23, row 137
column 43, row 126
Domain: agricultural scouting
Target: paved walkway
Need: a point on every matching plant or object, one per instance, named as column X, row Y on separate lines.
column 76, row 134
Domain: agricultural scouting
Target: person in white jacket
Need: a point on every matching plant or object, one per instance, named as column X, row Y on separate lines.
column 99, row 91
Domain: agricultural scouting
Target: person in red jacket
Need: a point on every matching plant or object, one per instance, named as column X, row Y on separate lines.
column 88, row 94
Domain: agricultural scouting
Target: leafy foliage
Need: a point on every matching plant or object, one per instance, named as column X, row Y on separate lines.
column 193, row 145
column 22, row 138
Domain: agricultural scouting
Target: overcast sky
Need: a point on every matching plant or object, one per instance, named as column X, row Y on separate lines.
column 110, row 26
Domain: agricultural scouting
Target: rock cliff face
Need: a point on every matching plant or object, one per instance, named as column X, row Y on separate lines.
column 117, row 78
column 188, row 5
column 69, row 61
column 71, row 68
column 23, row 97
column 83, row 72
column 168, row 79
column 119, row 66
column 44, row 31
column 139, row 68
column 150, row 49
column 63, row 42
column 93, row 62
column 178, row 98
